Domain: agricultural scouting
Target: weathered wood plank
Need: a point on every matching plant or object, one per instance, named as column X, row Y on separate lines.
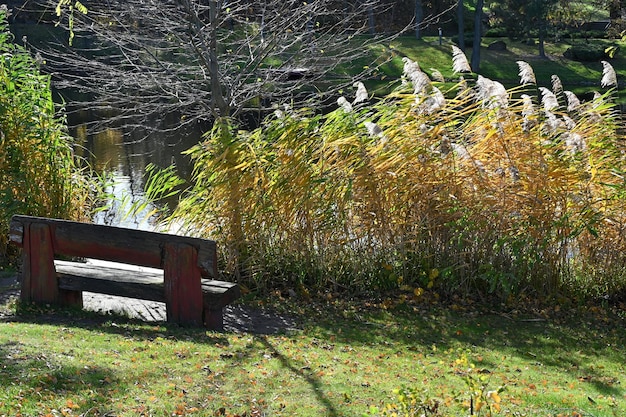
column 183, row 289
column 39, row 282
column 221, row 294
column 146, row 285
column 218, row 294
column 136, row 247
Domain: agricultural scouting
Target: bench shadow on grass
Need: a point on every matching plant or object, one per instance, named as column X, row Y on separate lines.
column 68, row 378
column 115, row 324
column 569, row 343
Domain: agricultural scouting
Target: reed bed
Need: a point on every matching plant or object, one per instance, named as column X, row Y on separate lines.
column 39, row 174
column 460, row 186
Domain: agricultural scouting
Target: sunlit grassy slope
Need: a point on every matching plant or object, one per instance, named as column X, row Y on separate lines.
column 498, row 65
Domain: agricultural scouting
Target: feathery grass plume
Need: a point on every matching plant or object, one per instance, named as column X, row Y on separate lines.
column 459, row 60
column 528, row 108
column 410, row 66
column 552, row 123
column 345, row 104
column 361, row 93
column 433, row 102
column 411, row 69
column 598, row 100
column 573, row 103
column 526, row 73
column 460, row 151
column 548, row 99
column 574, row 142
column 421, row 83
column 375, row 131
column 436, row 75
column 609, row 77
column 557, row 86
column 491, row 93
column 568, row 121
column 372, row 128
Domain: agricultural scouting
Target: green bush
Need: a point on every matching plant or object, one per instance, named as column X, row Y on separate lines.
column 496, row 32
column 39, row 174
column 583, row 34
column 583, row 53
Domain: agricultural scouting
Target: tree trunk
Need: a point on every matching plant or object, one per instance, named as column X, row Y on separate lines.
column 459, row 13
column 371, row 21
column 614, row 9
column 217, row 93
column 478, row 18
column 542, row 38
column 419, row 16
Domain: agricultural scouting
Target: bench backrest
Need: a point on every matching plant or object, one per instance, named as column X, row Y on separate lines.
column 109, row 243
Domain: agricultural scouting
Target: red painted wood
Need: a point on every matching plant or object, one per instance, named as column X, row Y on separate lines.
column 182, row 281
column 213, row 319
column 136, row 247
column 26, row 275
column 39, row 282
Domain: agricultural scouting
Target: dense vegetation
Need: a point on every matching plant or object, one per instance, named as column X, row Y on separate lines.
column 473, row 188
column 39, row 174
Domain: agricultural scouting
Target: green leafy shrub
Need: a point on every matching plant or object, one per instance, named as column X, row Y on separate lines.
column 583, row 34
column 584, row 53
column 496, row 32
column 39, row 174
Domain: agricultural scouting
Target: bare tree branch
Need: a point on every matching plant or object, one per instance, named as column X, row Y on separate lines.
column 199, row 60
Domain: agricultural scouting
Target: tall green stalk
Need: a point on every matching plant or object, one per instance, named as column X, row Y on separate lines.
column 39, row 174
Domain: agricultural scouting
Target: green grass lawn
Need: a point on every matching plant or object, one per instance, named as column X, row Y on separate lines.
column 346, row 359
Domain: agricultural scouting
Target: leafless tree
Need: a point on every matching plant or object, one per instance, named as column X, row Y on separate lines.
column 197, row 60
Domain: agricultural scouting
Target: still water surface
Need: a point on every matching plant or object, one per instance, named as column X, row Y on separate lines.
column 124, row 154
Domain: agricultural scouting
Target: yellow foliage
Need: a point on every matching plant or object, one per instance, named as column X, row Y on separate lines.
column 491, row 195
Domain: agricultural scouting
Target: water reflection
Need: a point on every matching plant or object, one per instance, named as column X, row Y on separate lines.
column 124, row 154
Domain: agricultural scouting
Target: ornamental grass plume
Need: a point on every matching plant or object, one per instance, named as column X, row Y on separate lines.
column 491, row 93
column 557, row 86
column 410, row 68
column 548, row 99
column 609, row 77
column 436, row 75
column 573, row 103
column 459, row 61
column 361, row 95
column 344, row 104
column 526, row 73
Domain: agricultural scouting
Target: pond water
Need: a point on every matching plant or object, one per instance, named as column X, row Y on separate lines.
column 124, row 154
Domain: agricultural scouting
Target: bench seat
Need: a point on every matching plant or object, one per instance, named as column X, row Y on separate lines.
column 142, row 284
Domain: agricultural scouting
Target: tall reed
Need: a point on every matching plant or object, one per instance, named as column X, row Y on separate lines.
column 473, row 188
column 39, row 174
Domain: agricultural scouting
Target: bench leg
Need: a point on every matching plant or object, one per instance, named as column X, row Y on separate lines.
column 214, row 319
column 39, row 278
column 183, row 288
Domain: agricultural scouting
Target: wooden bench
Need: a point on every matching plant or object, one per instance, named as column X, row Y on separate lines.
column 187, row 284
